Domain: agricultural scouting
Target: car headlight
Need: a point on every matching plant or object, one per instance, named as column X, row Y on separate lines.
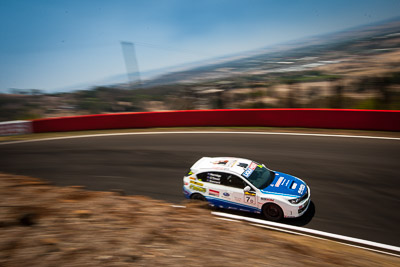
column 295, row 200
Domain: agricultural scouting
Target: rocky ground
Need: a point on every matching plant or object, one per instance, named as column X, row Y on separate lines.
column 44, row 225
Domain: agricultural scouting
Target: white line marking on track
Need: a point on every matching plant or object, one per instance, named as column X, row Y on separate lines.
column 201, row 132
column 306, row 231
column 297, row 233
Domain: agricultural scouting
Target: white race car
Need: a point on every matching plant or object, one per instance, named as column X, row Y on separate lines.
column 242, row 184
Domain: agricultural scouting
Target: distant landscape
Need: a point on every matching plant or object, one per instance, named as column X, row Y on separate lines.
column 354, row 69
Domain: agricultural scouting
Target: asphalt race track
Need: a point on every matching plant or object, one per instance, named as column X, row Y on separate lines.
column 355, row 182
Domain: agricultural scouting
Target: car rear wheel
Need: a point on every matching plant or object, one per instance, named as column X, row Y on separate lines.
column 272, row 212
column 197, row 196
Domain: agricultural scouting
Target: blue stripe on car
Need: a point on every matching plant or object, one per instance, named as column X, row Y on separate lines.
column 186, row 192
column 278, row 194
column 229, row 204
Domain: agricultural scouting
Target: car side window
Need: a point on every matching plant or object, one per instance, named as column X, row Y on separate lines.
column 234, row 181
column 213, row 177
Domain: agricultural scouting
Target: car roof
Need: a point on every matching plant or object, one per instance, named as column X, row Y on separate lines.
column 235, row 165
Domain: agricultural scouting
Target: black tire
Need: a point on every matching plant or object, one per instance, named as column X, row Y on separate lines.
column 197, row 196
column 272, row 212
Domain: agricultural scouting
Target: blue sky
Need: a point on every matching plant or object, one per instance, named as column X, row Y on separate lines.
column 55, row 44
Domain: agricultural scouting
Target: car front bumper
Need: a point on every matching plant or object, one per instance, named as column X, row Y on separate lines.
column 297, row 210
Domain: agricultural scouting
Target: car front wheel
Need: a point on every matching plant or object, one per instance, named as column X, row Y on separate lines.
column 272, row 212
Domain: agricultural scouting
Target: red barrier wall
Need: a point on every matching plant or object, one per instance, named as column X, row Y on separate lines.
column 380, row 120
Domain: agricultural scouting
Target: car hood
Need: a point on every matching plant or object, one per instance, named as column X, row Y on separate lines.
column 286, row 185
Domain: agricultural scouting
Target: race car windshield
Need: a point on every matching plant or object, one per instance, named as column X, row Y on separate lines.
column 261, row 177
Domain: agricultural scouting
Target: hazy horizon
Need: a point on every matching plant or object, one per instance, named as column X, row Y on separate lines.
column 50, row 45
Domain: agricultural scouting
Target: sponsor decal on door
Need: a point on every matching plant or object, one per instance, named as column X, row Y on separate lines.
column 213, row 193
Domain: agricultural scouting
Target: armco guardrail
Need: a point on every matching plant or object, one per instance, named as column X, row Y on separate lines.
column 15, row 127
column 379, row 120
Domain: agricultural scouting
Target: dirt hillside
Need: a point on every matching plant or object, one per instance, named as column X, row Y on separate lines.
column 44, row 225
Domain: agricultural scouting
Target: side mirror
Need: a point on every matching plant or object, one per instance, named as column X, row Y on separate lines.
column 247, row 189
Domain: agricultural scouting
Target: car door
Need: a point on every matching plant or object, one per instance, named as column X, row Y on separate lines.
column 243, row 200
column 250, row 197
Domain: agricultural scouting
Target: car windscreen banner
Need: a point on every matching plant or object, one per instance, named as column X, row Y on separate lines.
column 249, row 170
